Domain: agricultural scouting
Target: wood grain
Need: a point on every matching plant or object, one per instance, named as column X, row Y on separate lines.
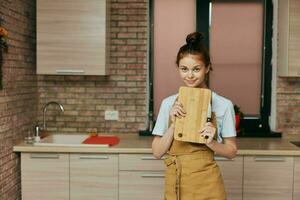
column 140, row 162
column 45, row 176
column 146, row 185
column 72, row 37
column 296, row 194
column 93, row 176
column 195, row 102
column 268, row 177
column 232, row 173
column 288, row 38
column 294, row 39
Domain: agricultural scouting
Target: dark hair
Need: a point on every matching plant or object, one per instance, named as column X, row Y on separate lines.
column 195, row 46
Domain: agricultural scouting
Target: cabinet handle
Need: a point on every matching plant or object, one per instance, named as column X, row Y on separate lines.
column 269, row 158
column 152, row 175
column 93, row 157
column 44, row 155
column 219, row 158
column 151, row 158
column 70, row 71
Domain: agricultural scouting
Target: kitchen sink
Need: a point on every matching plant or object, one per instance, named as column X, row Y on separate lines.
column 297, row 143
column 66, row 140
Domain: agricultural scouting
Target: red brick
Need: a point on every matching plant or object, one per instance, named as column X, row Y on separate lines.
column 127, row 35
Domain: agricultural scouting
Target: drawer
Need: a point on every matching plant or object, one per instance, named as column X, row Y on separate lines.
column 140, row 162
column 141, row 185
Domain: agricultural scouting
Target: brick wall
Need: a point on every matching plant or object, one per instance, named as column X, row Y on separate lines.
column 85, row 98
column 18, row 98
column 288, row 105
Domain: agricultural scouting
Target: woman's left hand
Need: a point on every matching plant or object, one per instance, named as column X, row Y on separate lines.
column 208, row 132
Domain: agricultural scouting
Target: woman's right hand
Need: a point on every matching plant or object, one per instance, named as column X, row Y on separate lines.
column 177, row 111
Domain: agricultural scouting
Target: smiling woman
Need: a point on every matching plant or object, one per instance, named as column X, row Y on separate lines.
column 191, row 172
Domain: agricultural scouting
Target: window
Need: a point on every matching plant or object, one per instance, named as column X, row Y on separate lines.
column 219, row 20
column 258, row 62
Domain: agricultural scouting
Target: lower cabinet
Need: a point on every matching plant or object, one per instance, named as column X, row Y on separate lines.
column 93, row 176
column 296, row 178
column 136, row 185
column 45, row 176
column 232, row 173
column 141, row 176
column 55, row 176
column 74, row 176
column 268, row 177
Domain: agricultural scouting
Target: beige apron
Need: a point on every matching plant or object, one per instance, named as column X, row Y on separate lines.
column 192, row 173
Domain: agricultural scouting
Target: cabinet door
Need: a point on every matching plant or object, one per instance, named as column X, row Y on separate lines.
column 232, row 173
column 294, row 42
column 72, row 37
column 297, row 178
column 93, row 177
column 268, row 177
column 288, row 38
column 136, row 185
column 45, row 176
column 141, row 176
column 140, row 162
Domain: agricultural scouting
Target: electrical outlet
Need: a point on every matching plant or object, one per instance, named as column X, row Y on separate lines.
column 111, row 115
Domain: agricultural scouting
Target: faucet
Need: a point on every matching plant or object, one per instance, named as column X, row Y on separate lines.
column 45, row 110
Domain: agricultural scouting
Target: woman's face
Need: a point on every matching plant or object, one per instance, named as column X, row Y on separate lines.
column 193, row 71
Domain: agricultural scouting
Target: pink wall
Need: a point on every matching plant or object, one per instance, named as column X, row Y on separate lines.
column 173, row 20
column 235, row 47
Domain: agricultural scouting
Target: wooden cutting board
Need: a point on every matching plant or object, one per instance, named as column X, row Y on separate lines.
column 196, row 102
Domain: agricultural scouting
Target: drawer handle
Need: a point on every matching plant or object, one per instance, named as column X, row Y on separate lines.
column 219, row 158
column 152, row 175
column 273, row 159
column 151, row 158
column 49, row 156
column 70, row 71
column 93, row 157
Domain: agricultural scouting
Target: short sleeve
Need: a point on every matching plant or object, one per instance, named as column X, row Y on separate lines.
column 161, row 124
column 228, row 125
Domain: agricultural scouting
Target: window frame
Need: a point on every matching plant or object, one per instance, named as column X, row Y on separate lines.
column 252, row 126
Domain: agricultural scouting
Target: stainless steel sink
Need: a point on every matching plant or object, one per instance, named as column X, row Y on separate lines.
column 66, row 140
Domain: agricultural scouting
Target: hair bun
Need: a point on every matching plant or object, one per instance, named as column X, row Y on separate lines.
column 194, row 38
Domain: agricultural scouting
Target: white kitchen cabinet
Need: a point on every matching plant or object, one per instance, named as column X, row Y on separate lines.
column 45, row 176
column 232, row 173
column 288, row 38
column 141, row 176
column 296, row 178
column 72, row 37
column 268, row 177
column 76, row 176
column 93, row 176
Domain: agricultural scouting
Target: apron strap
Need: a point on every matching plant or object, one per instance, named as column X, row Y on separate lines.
column 173, row 160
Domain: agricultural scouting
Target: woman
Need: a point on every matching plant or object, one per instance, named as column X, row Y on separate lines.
column 191, row 172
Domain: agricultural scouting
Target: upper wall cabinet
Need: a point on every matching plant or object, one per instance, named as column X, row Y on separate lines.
column 289, row 38
column 72, row 37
